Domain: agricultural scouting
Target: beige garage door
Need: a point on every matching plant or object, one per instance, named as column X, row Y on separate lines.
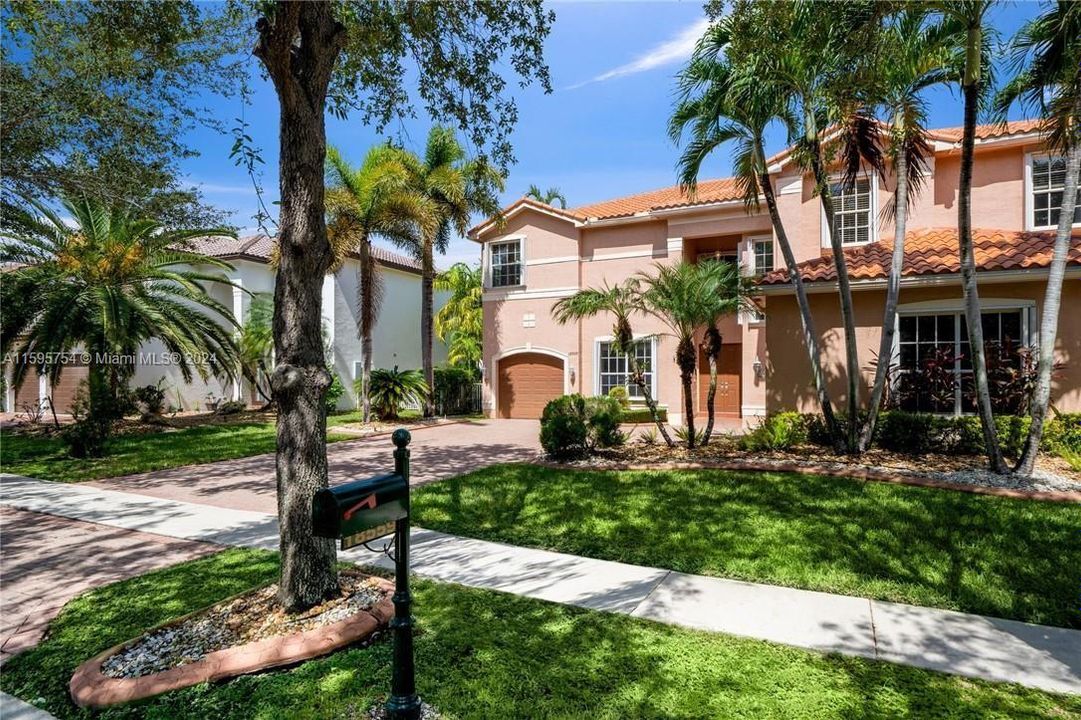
column 527, row 382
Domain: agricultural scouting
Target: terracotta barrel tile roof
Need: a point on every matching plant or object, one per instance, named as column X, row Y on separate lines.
column 986, row 132
column 722, row 189
column 258, row 248
column 708, row 191
column 935, row 251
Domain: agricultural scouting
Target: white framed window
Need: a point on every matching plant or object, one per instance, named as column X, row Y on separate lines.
column 613, row 369
column 505, row 263
column 941, row 336
column 763, row 256
column 1046, row 177
column 854, row 212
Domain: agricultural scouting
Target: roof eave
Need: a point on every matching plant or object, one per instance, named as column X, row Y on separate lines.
column 925, row 280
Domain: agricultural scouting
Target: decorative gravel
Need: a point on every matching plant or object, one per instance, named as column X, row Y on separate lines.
column 251, row 617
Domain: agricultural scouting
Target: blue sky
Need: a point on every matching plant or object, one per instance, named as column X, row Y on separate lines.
column 600, row 134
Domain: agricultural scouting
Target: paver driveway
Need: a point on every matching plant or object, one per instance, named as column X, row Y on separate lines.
column 439, row 452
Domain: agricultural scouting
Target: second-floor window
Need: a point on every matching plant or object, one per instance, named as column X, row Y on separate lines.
column 853, row 213
column 763, row 256
column 1048, row 181
column 506, row 263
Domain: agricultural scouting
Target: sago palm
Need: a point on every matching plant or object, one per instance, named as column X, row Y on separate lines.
column 391, row 390
column 619, row 301
column 1047, row 61
column 456, row 187
column 913, row 57
column 460, row 322
column 673, row 295
column 106, row 282
column 717, row 106
column 377, row 199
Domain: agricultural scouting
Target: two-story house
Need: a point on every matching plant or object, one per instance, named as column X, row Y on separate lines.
column 539, row 254
column 395, row 338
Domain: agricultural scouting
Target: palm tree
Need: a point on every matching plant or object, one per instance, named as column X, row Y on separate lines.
column 107, row 282
column 722, row 100
column 1047, row 55
column 818, row 67
column 551, row 196
column 620, row 301
column 460, row 322
column 964, row 24
column 456, row 187
column 377, row 199
column 673, row 295
column 723, row 291
column 913, row 58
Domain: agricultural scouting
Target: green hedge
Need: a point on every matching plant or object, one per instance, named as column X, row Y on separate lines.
column 921, row 433
column 638, row 414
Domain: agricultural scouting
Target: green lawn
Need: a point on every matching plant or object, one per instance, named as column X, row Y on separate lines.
column 1008, row 558
column 47, row 458
column 484, row 654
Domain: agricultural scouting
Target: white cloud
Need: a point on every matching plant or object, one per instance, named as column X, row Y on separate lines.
column 670, row 51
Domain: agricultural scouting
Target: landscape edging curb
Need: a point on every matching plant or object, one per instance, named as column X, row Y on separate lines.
column 90, row 688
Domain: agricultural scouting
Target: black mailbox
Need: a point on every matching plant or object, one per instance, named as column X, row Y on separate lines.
column 360, row 511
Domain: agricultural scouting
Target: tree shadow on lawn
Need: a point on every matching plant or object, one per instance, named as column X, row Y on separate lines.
column 483, row 654
column 1007, row 558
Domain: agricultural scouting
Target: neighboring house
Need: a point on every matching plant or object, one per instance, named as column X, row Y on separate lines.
column 395, row 340
column 539, row 254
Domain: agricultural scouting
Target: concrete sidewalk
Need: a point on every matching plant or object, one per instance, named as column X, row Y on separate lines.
column 1047, row 658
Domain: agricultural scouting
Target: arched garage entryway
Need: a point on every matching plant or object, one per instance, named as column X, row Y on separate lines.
column 526, row 382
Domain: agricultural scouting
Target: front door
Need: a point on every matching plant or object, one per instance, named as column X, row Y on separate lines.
column 727, row 400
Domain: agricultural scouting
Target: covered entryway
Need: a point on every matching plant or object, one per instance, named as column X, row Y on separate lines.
column 727, row 400
column 527, row 381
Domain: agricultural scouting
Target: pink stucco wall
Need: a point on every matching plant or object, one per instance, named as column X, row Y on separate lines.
column 789, row 381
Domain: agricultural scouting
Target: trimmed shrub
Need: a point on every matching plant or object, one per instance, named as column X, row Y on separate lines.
column 151, row 398
column 603, row 415
column 620, row 395
column 776, row 432
column 905, row 432
column 454, row 390
column 816, row 430
column 231, row 407
column 1062, row 433
column 564, row 433
column 640, row 414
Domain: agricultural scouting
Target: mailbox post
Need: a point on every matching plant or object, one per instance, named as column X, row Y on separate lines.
column 364, row 510
column 404, row 702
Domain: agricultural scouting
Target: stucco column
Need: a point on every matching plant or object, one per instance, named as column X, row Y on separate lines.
column 675, row 249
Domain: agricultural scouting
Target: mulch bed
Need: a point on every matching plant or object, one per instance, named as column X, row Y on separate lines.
column 244, row 634
column 1054, row 479
column 245, row 619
